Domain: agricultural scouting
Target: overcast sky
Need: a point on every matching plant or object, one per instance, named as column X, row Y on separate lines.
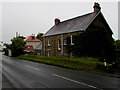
column 33, row 17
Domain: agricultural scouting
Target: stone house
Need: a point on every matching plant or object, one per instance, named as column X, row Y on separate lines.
column 54, row 40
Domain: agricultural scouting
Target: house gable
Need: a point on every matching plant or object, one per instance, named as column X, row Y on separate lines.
column 100, row 21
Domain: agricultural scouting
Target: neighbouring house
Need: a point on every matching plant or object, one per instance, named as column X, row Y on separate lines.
column 39, row 49
column 33, row 44
column 54, row 40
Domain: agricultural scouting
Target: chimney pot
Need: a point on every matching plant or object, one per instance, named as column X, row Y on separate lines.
column 96, row 7
column 57, row 21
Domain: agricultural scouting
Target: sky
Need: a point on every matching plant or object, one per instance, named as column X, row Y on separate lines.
column 32, row 17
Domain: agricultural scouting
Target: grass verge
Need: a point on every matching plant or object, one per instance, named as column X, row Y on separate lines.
column 87, row 63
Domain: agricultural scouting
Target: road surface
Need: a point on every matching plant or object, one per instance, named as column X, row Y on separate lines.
column 27, row 74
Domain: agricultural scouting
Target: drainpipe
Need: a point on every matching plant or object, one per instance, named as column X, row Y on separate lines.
column 62, row 44
column 44, row 46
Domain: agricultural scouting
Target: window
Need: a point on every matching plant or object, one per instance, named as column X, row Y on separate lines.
column 71, row 40
column 48, row 53
column 48, row 41
column 59, row 47
column 64, row 41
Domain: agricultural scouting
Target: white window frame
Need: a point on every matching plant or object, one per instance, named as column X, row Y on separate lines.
column 59, row 48
column 71, row 37
column 48, row 41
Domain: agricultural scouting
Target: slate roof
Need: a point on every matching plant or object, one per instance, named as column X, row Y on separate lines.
column 79, row 23
column 31, row 38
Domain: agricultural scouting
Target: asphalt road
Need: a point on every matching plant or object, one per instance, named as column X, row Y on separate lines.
column 27, row 74
column 6, row 83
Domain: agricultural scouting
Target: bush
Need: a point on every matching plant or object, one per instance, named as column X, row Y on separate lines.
column 17, row 46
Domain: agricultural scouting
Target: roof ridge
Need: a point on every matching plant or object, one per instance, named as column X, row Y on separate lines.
column 93, row 18
column 29, row 38
column 77, row 17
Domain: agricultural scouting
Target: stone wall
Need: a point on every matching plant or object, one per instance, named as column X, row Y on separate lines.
column 53, row 48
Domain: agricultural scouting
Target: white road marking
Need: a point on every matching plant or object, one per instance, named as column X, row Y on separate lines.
column 31, row 67
column 75, row 81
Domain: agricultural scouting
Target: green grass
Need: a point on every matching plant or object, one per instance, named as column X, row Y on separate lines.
column 84, row 63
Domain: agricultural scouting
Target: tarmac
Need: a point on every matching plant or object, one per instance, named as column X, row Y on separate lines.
column 6, row 83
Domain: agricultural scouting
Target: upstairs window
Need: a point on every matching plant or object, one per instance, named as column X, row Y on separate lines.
column 59, row 46
column 48, row 41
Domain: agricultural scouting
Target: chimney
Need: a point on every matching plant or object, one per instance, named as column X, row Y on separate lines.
column 96, row 7
column 57, row 21
column 33, row 36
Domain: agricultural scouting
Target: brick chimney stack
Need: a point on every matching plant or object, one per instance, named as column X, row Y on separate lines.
column 96, row 7
column 57, row 21
column 33, row 36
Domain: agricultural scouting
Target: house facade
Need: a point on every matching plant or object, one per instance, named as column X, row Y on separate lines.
column 32, row 43
column 54, row 40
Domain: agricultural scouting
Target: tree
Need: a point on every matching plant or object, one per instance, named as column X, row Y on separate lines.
column 17, row 46
column 117, row 45
column 39, row 36
column 117, row 48
column 22, row 37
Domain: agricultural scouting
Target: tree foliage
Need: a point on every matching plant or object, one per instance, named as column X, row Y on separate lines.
column 117, row 48
column 8, row 46
column 117, row 45
column 17, row 46
column 22, row 37
column 39, row 36
column 94, row 42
